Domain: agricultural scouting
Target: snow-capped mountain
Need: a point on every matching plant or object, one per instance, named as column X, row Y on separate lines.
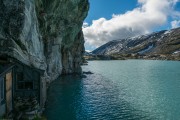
column 163, row 42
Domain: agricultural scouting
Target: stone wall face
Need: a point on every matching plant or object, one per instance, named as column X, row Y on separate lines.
column 44, row 34
column 19, row 33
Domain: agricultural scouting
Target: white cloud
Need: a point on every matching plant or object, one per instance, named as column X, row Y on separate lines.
column 88, row 51
column 141, row 20
column 175, row 23
column 85, row 24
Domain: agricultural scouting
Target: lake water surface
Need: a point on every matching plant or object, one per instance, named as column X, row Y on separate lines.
column 118, row 90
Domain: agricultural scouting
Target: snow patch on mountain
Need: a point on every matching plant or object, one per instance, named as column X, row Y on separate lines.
column 146, row 50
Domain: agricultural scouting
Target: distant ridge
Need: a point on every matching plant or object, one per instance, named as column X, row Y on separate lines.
column 162, row 42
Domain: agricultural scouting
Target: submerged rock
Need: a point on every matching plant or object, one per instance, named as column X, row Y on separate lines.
column 89, row 72
column 83, row 76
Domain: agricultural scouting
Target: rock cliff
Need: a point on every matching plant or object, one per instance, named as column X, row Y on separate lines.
column 44, row 34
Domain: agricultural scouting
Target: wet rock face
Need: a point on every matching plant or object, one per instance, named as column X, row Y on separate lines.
column 45, row 34
column 60, row 25
column 19, row 32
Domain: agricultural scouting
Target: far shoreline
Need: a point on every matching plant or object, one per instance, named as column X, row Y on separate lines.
column 135, row 59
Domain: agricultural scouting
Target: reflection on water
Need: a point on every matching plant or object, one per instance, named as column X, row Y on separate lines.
column 134, row 90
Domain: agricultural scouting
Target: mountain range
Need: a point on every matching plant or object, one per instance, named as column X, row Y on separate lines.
column 164, row 43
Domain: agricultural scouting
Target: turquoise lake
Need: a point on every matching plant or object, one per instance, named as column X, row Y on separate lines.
column 118, row 90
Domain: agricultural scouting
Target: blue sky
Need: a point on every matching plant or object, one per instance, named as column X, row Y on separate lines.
column 106, row 8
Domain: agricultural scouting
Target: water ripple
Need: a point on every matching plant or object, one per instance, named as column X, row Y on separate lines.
column 133, row 90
